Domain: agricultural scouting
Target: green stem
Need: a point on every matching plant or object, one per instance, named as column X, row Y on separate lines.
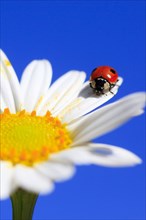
column 23, row 204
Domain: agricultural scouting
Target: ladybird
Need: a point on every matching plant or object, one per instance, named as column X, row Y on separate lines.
column 103, row 79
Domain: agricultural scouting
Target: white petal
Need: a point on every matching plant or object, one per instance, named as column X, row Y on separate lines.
column 99, row 154
column 6, row 180
column 2, row 104
column 63, row 90
column 70, row 95
column 108, row 118
column 35, row 81
column 31, row 180
column 76, row 155
column 112, row 156
column 9, row 73
column 6, row 92
column 56, row 171
column 86, row 102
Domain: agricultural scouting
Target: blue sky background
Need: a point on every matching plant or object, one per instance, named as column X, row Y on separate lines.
column 82, row 35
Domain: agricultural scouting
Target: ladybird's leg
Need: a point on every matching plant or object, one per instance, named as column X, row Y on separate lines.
column 112, row 86
column 97, row 92
column 111, row 92
column 116, row 83
column 90, row 85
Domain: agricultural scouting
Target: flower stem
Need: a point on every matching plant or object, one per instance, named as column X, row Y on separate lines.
column 23, row 204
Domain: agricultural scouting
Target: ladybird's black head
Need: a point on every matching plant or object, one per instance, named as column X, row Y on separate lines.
column 100, row 85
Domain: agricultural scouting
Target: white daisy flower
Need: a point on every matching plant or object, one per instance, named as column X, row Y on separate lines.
column 46, row 131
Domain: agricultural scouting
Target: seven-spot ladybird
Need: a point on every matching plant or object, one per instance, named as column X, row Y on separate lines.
column 103, row 79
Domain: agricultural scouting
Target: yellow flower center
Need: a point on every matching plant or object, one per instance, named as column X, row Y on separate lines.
column 28, row 139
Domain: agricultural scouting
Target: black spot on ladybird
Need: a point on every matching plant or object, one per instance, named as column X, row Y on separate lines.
column 113, row 71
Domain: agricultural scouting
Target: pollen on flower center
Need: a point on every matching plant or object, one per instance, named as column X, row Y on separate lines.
column 28, row 139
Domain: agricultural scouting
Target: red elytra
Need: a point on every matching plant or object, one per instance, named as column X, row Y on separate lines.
column 106, row 72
